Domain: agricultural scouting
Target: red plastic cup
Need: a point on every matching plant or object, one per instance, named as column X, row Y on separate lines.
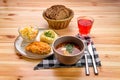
column 85, row 24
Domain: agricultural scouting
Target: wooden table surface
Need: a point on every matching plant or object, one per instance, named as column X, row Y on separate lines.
column 105, row 33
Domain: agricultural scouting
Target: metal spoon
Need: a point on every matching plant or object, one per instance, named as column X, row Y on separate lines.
column 93, row 59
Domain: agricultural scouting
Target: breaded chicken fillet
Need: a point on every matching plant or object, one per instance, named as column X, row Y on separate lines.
column 38, row 48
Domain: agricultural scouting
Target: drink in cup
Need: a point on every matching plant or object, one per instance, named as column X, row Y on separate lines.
column 84, row 24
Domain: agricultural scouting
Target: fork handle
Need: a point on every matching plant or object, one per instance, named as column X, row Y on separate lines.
column 86, row 66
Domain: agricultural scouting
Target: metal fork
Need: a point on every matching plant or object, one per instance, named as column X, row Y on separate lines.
column 86, row 60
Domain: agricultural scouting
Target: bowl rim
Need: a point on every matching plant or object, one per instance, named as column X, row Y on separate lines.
column 69, row 55
column 70, row 17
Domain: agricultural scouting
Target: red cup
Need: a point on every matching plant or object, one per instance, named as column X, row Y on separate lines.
column 85, row 24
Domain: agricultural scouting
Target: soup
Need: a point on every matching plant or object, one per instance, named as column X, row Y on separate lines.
column 68, row 48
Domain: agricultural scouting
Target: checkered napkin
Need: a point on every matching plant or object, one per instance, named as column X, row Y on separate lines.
column 52, row 62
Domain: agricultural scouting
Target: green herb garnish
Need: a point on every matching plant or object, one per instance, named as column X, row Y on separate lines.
column 69, row 47
column 49, row 34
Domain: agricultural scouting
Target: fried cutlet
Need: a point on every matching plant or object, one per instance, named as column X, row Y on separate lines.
column 38, row 48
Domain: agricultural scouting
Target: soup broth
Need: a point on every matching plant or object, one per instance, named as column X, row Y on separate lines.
column 68, row 48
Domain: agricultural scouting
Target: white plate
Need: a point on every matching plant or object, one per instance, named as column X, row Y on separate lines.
column 20, row 47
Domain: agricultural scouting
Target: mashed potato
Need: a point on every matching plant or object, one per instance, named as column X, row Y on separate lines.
column 48, row 36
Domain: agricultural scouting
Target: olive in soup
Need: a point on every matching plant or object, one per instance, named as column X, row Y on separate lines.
column 68, row 48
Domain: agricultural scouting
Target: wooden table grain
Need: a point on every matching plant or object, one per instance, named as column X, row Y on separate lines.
column 105, row 33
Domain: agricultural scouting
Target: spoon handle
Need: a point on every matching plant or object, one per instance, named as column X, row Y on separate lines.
column 94, row 65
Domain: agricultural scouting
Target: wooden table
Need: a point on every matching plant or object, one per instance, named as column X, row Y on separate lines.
column 105, row 34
